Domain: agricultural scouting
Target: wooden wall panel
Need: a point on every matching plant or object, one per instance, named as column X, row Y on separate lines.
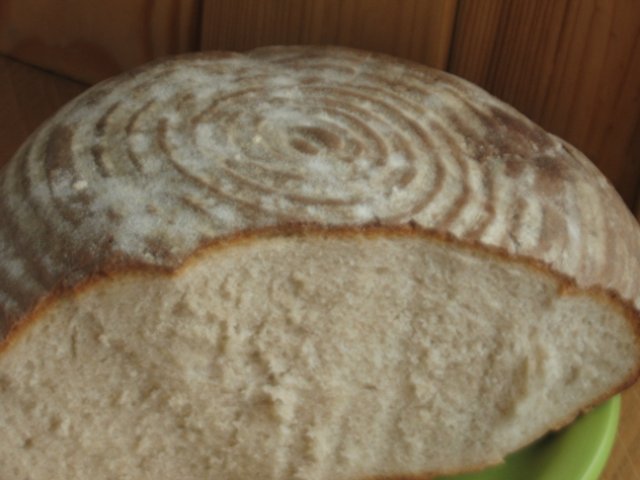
column 91, row 40
column 415, row 29
column 28, row 96
column 571, row 65
column 624, row 462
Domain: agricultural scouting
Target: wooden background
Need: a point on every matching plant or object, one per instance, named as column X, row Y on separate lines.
column 571, row 65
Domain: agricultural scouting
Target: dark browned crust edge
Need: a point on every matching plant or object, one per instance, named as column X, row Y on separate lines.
column 566, row 286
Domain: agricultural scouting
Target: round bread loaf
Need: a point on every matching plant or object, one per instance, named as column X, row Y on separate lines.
column 302, row 263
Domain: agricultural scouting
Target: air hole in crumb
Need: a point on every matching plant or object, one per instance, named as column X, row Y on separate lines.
column 572, row 375
column 5, row 383
column 297, row 282
column 182, row 308
column 54, row 423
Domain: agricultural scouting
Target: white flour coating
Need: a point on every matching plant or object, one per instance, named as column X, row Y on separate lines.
column 150, row 165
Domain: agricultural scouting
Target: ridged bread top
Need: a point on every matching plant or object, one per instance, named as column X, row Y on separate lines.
column 148, row 166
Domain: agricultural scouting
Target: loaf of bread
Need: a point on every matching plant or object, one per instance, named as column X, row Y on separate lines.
column 302, row 263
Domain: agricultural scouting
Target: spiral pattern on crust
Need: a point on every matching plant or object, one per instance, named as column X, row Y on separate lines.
column 149, row 165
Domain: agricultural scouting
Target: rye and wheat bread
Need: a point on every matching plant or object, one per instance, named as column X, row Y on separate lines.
column 302, row 263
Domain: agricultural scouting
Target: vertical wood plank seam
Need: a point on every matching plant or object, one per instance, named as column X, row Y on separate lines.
column 196, row 39
column 414, row 19
column 173, row 30
column 455, row 31
column 555, row 61
column 396, row 38
column 147, row 31
column 452, row 24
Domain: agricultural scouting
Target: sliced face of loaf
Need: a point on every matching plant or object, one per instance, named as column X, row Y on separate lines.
column 302, row 264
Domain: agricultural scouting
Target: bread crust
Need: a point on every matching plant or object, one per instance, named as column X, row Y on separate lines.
column 550, row 169
column 114, row 269
column 495, row 177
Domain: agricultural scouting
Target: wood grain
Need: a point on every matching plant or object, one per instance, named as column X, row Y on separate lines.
column 27, row 97
column 571, row 65
column 624, row 463
column 415, row 29
column 90, row 41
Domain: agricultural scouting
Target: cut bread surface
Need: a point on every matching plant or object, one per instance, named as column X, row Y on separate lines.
column 307, row 356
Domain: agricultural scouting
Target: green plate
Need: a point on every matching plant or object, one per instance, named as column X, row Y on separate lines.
column 579, row 452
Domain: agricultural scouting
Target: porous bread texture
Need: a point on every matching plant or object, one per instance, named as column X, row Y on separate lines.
column 309, row 356
column 302, row 354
